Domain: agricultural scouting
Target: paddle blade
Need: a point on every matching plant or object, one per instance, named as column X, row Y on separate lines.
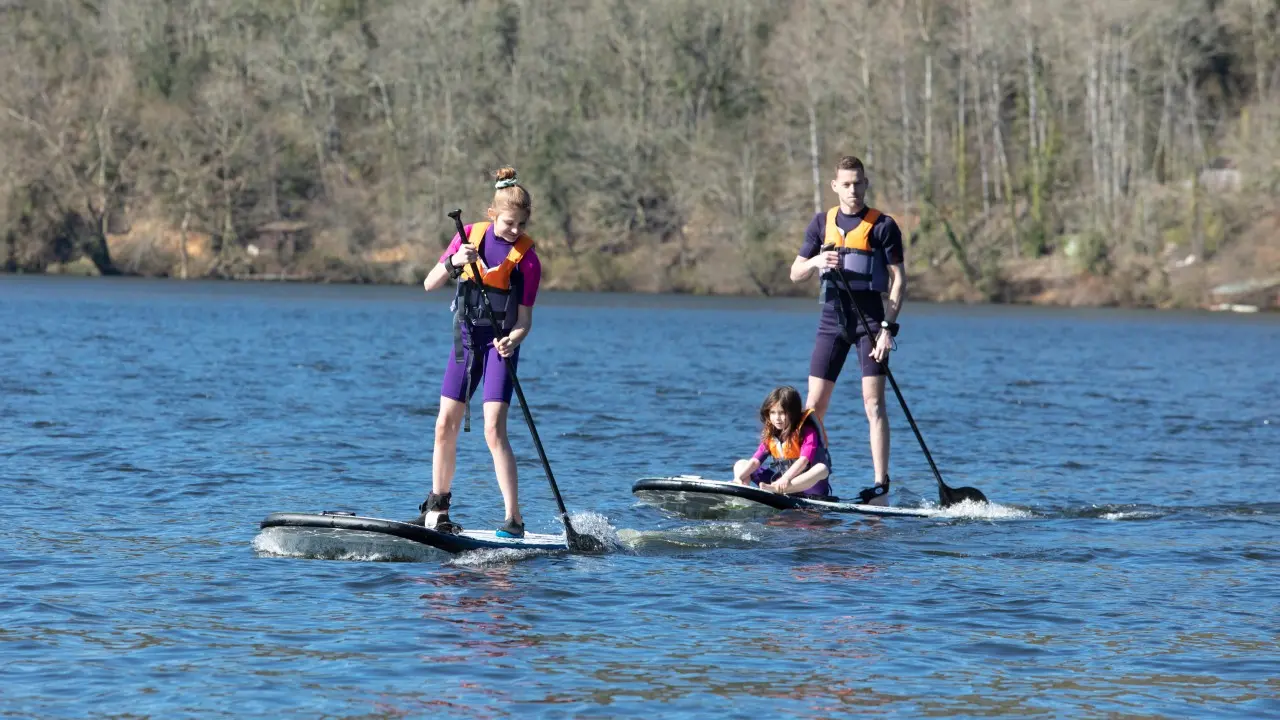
column 948, row 496
column 585, row 544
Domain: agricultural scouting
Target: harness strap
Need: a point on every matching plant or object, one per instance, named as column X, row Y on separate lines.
column 842, row 316
column 457, row 339
column 466, row 395
column 462, row 354
column 473, row 349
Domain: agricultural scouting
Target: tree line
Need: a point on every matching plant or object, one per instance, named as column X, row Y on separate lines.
column 672, row 145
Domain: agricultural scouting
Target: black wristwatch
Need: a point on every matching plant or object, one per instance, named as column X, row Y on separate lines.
column 455, row 271
column 892, row 327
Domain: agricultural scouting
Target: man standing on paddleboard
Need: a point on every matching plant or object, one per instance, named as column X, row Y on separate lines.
column 864, row 247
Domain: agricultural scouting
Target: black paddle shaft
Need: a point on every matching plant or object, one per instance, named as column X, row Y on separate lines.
column 946, row 495
column 570, row 533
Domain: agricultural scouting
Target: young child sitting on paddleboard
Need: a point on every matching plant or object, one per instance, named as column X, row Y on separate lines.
column 795, row 444
column 510, row 271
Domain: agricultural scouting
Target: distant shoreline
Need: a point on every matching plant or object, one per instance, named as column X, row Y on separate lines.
column 921, row 290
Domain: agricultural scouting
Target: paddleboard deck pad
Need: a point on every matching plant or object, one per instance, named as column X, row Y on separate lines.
column 468, row 540
column 671, row 492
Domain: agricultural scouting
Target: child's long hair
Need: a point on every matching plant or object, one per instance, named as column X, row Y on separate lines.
column 789, row 398
column 508, row 193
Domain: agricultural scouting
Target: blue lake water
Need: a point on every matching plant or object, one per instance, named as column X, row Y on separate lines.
column 1131, row 568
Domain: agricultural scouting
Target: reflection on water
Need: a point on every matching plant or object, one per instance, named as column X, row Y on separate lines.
column 824, row 572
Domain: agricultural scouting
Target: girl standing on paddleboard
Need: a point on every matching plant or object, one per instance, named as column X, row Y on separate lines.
column 509, row 270
column 795, row 444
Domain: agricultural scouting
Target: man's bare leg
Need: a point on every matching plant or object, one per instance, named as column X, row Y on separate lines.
column 818, row 398
column 873, row 401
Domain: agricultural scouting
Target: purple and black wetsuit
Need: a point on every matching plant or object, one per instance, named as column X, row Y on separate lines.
column 831, row 348
column 477, row 341
column 812, row 449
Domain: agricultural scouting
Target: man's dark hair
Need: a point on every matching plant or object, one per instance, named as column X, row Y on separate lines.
column 850, row 162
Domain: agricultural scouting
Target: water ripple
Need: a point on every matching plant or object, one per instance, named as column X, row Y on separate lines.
column 1128, row 567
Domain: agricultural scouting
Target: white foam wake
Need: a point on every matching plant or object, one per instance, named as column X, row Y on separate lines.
column 497, row 556
column 970, row 510
column 702, row 535
column 1132, row 515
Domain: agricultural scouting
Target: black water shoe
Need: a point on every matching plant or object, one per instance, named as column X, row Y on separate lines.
column 438, row 503
column 875, row 495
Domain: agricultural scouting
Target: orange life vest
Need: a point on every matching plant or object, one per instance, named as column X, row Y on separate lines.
column 863, row 267
column 498, row 278
column 501, row 288
column 859, row 238
column 784, row 454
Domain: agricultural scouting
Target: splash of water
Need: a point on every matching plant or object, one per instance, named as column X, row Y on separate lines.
column 970, row 510
column 598, row 527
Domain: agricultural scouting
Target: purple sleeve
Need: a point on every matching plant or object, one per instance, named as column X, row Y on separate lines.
column 891, row 240
column 762, row 452
column 531, row 273
column 813, row 236
column 810, row 442
column 454, row 245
